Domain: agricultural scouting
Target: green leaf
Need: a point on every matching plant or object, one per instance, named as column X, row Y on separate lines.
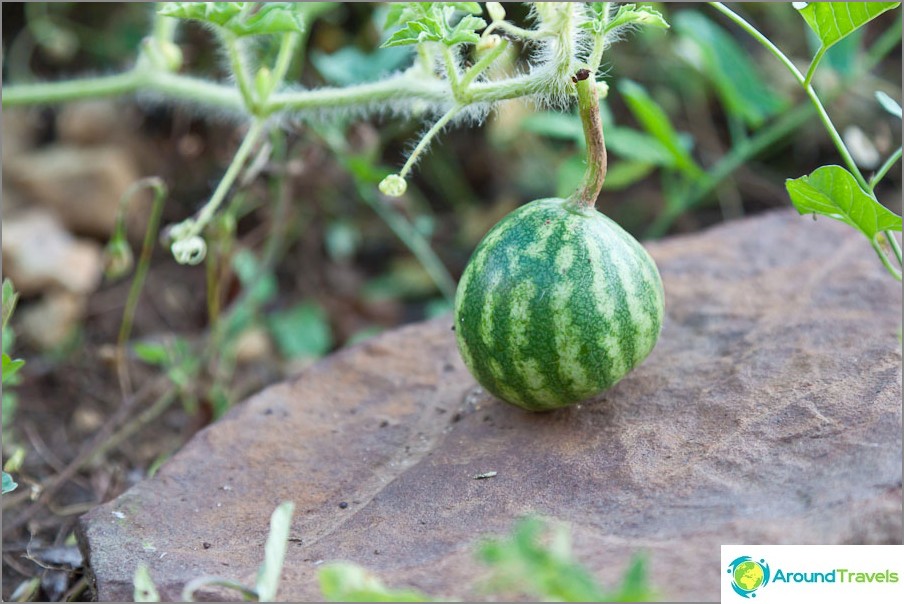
column 627, row 14
column 10, row 368
column 889, row 104
column 623, row 174
column 656, row 122
column 556, row 125
column 270, row 571
column 631, row 144
column 832, row 21
column 152, row 353
column 10, row 297
column 833, row 191
column 145, row 590
column 346, row 582
column 248, row 18
column 549, row 572
column 350, row 65
column 9, row 484
column 735, row 77
column 434, row 22
column 302, row 331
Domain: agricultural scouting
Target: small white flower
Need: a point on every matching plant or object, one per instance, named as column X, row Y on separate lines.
column 189, row 251
column 393, row 186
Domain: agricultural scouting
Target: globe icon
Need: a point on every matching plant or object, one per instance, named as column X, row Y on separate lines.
column 748, row 575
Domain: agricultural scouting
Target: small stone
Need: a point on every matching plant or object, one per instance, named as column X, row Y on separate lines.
column 206, row 545
column 39, row 254
column 343, row 504
column 89, row 122
column 51, row 322
column 253, row 345
column 83, row 186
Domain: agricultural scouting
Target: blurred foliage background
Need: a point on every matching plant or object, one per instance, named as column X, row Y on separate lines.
column 702, row 126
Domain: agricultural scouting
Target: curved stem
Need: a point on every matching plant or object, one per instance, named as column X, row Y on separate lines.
column 485, row 61
column 589, row 110
column 881, row 253
column 425, row 140
column 287, row 51
column 813, row 64
column 239, row 70
column 232, row 172
column 878, row 176
column 811, row 93
column 451, row 71
column 141, row 271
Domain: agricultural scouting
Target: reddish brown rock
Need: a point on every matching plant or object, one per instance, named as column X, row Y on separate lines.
column 768, row 412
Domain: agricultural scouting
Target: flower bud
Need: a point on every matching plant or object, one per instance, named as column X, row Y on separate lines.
column 118, row 259
column 189, row 251
column 393, row 186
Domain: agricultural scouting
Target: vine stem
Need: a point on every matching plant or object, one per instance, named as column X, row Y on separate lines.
column 425, row 140
column 232, row 172
column 878, row 176
column 141, row 270
column 804, row 81
column 811, row 93
column 589, row 109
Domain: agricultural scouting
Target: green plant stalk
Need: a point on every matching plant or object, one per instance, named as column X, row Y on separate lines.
column 425, row 140
column 485, row 61
column 232, row 172
column 599, row 42
column 817, row 103
column 880, row 174
column 231, row 43
column 287, row 50
column 451, row 71
column 813, row 65
column 884, row 258
column 409, row 236
column 589, row 110
column 141, row 272
column 764, row 139
column 405, row 87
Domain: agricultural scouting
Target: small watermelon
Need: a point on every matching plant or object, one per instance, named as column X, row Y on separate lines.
column 557, row 304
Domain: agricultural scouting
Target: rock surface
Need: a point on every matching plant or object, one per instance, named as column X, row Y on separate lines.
column 769, row 412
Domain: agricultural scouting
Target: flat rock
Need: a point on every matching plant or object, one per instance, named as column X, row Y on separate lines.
column 769, row 412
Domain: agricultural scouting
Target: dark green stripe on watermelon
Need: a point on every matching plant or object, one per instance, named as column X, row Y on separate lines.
column 556, row 305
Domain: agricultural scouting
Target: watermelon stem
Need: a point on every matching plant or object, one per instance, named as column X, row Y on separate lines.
column 589, row 110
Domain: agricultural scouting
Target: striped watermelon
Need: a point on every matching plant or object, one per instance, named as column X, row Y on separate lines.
column 557, row 304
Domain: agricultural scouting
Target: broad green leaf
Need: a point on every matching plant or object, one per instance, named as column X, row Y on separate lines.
column 623, row 174
column 346, row 582
column 832, row 21
column 434, row 22
column 8, row 483
column 248, row 18
column 889, row 104
column 10, row 368
column 556, row 125
column 10, row 297
column 833, row 191
column 627, row 14
column 270, row 571
column 730, row 68
column 631, row 144
column 350, row 65
column 302, row 331
column 656, row 122
column 145, row 590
